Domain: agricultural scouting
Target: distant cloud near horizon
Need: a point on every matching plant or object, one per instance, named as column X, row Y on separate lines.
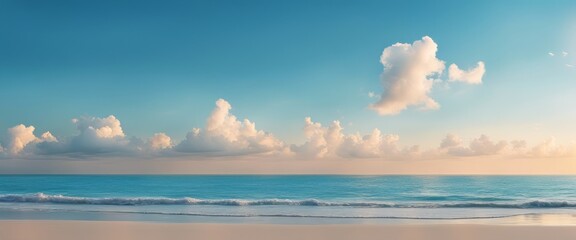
column 330, row 142
column 410, row 71
column 225, row 135
column 160, row 141
column 20, row 136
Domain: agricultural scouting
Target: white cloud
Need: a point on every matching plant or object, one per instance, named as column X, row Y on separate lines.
column 96, row 136
column 410, row 71
column 108, row 127
column 48, row 137
column 471, row 76
column 329, row 142
column 406, row 79
column 564, row 54
column 483, row 145
column 159, row 141
column 20, row 136
column 372, row 95
column 225, row 134
column 570, row 65
column 550, row 148
column 551, row 54
column 451, row 140
column 454, row 145
column 321, row 141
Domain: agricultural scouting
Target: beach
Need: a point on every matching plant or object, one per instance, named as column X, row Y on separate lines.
column 95, row 230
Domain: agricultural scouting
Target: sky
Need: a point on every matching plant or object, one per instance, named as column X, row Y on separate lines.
column 346, row 87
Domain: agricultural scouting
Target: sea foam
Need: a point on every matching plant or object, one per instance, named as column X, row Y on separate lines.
column 61, row 199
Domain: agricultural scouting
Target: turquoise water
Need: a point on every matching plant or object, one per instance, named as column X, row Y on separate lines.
column 303, row 196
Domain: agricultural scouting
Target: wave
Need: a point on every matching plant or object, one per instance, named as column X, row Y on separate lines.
column 61, row 199
column 191, row 214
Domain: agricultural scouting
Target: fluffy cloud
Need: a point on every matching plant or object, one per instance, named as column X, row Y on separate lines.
column 410, row 71
column 225, row 134
column 406, row 79
column 453, row 145
column 48, row 137
column 324, row 142
column 483, row 145
column 471, row 76
column 550, row 148
column 96, row 136
column 108, row 127
column 451, row 141
column 159, row 141
column 20, row 136
column 321, row 141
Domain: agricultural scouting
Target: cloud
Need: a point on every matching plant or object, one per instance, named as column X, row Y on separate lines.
column 453, row 145
column 518, row 145
column 159, row 141
column 551, row 54
column 406, row 77
column 321, row 141
column 225, row 134
column 48, row 137
column 471, row 76
column 96, row 136
column 410, row 71
column 19, row 136
column 483, row 145
column 108, row 127
column 330, row 141
column 450, row 141
column 564, row 54
column 372, row 95
column 550, row 148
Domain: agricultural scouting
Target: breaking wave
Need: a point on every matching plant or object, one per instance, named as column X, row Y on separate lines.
column 61, row 199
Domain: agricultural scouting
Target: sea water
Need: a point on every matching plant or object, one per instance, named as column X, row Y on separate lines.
column 285, row 199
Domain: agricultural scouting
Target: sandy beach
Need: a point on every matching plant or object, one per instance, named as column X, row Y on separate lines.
column 92, row 230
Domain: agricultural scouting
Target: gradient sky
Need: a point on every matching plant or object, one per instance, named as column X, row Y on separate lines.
column 160, row 66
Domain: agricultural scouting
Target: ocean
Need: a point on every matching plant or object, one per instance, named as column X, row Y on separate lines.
column 295, row 199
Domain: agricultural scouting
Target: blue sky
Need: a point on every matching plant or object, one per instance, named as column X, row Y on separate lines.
column 159, row 66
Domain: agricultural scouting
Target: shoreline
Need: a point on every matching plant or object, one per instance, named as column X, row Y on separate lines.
column 96, row 230
column 547, row 217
